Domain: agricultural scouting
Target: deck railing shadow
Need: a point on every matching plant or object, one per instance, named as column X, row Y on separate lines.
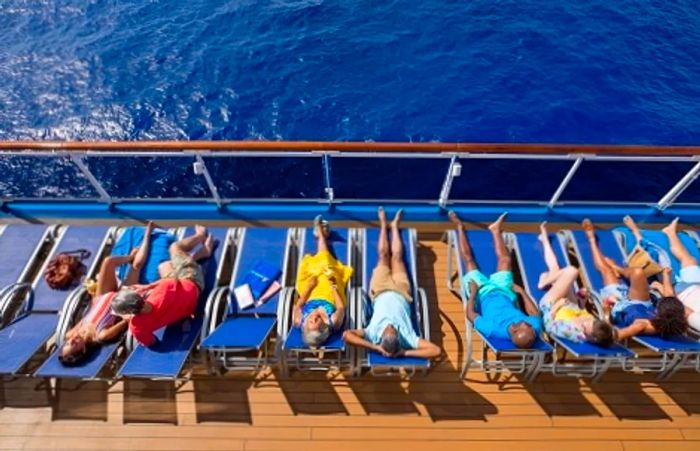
column 24, row 393
column 147, row 401
column 557, row 396
column 79, row 400
column 626, row 398
column 223, row 399
column 684, row 390
column 311, row 393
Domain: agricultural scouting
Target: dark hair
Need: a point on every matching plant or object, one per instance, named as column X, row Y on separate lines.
column 390, row 342
column 670, row 317
column 127, row 302
column 602, row 334
column 75, row 359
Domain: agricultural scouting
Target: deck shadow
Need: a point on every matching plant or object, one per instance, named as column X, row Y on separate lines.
column 383, row 395
column 78, row 400
column 629, row 402
column 24, row 393
column 222, row 400
column 323, row 400
column 148, row 401
column 567, row 401
column 687, row 400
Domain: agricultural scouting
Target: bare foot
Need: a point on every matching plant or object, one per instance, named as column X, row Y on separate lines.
column 381, row 214
column 588, row 228
column 200, row 230
column 209, row 244
column 321, row 226
column 672, row 228
column 497, row 225
column 149, row 228
column 544, row 233
column 629, row 222
column 397, row 219
column 454, row 219
column 542, row 282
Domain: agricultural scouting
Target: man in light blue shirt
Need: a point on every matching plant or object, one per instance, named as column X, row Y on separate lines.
column 390, row 331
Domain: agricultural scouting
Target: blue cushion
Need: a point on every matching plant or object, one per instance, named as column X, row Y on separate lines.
column 591, row 350
column 377, row 360
column 87, row 369
column 20, row 340
column 159, row 251
column 17, row 244
column 241, row 332
column 678, row 344
column 295, row 341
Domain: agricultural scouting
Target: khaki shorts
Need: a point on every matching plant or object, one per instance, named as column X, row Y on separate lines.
column 183, row 267
column 384, row 280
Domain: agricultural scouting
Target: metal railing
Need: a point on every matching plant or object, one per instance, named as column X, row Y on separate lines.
column 343, row 172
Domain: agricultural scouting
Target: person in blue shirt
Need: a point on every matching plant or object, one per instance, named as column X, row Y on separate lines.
column 497, row 315
column 390, row 330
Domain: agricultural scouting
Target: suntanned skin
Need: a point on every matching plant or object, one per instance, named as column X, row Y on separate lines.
column 394, row 259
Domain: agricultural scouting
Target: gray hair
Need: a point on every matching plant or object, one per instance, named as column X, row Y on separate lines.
column 127, row 302
column 315, row 337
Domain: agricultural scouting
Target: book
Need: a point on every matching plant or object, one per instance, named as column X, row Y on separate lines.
column 260, row 277
column 244, row 297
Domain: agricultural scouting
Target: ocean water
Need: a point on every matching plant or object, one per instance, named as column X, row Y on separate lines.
column 585, row 71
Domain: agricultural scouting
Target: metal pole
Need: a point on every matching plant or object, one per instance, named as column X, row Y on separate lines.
column 679, row 187
column 200, row 168
column 565, row 182
column 454, row 170
column 104, row 195
column 327, row 177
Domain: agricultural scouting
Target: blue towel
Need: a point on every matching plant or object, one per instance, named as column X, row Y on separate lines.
column 260, row 277
column 159, row 252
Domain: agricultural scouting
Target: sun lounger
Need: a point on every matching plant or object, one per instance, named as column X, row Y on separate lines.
column 668, row 352
column 166, row 359
column 377, row 363
column 333, row 352
column 591, row 360
column 20, row 249
column 90, row 367
column 660, row 241
column 21, row 339
column 230, row 335
column 506, row 354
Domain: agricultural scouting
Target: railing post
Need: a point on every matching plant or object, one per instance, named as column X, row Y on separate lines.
column 454, row 170
column 679, row 187
column 565, row 182
column 78, row 161
column 330, row 195
column 200, row 168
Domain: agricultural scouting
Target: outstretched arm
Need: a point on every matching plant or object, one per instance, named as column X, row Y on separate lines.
column 339, row 314
column 640, row 326
column 356, row 337
column 668, row 290
column 530, row 306
column 425, row 350
column 471, row 312
column 112, row 332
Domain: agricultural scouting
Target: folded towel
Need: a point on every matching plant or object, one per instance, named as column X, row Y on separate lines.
column 159, row 251
column 324, row 266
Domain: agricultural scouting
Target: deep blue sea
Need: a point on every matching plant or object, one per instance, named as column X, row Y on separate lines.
column 584, row 71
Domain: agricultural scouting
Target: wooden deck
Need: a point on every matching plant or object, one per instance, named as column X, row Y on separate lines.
column 438, row 411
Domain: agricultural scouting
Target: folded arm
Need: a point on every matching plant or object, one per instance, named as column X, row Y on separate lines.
column 529, row 304
column 640, row 326
column 425, row 350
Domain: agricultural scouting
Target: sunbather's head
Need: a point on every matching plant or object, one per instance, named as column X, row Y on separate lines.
column 315, row 330
column 127, row 303
column 670, row 319
column 522, row 334
column 73, row 350
column 600, row 333
column 390, row 340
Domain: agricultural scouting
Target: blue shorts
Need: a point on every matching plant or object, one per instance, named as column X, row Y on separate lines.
column 501, row 281
column 619, row 291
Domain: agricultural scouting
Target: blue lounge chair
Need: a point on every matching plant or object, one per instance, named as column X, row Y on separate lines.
column 377, row 363
column 668, row 353
column 239, row 339
column 21, row 339
column 660, row 242
column 294, row 350
column 166, row 359
column 506, row 354
column 20, row 249
column 591, row 360
column 90, row 367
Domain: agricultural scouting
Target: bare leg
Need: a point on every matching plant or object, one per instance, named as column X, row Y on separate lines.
column 502, row 253
column 677, row 249
column 629, row 222
column 383, row 244
column 562, row 284
column 464, row 248
column 639, row 285
column 550, row 259
column 206, row 250
column 140, row 257
column 321, row 237
column 397, row 264
column 608, row 273
column 185, row 245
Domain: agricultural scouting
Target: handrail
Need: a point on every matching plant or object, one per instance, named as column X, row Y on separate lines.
column 353, row 146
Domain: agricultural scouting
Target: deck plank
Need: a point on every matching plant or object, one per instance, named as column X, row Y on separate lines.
column 436, row 412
